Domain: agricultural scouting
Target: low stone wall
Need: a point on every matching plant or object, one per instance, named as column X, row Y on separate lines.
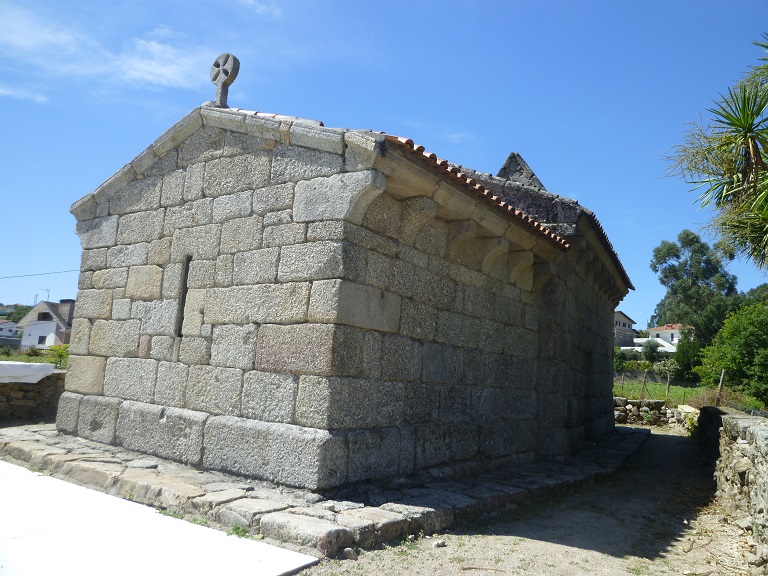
column 650, row 412
column 742, row 469
column 32, row 401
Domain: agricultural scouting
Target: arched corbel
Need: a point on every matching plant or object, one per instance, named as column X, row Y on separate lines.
column 521, row 269
column 459, row 232
column 493, row 249
column 418, row 212
column 543, row 272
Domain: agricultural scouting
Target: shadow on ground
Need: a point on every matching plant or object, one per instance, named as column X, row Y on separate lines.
column 640, row 511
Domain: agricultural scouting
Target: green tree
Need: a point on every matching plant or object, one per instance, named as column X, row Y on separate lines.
column 688, row 357
column 695, row 277
column 741, row 349
column 724, row 158
column 18, row 313
column 651, row 351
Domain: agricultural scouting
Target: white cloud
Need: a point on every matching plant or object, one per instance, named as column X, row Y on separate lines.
column 459, row 137
column 24, row 32
column 154, row 63
column 263, row 8
column 21, row 94
column 35, row 46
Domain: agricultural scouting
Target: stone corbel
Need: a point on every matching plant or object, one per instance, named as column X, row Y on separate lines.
column 521, row 269
column 459, row 233
column 543, row 272
column 344, row 196
column 417, row 213
column 492, row 250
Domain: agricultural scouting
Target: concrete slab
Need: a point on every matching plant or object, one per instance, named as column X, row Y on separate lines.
column 50, row 526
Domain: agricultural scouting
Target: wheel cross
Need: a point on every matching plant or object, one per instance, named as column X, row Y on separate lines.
column 223, row 73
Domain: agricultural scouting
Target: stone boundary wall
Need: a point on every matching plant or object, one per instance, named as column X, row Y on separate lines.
column 742, row 467
column 32, row 401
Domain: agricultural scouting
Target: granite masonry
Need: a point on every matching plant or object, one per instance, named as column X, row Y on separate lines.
column 266, row 296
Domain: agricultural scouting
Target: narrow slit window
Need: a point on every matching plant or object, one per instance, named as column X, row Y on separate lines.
column 183, row 295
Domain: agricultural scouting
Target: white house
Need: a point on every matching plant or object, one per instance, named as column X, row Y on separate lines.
column 664, row 346
column 669, row 333
column 7, row 329
column 47, row 324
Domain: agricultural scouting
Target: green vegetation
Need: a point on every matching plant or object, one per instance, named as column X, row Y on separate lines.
column 741, row 349
column 199, row 520
column 697, row 284
column 60, row 354
column 239, row 531
column 633, row 389
column 724, row 158
column 702, row 294
column 35, row 355
column 172, row 513
column 18, row 313
column 696, row 396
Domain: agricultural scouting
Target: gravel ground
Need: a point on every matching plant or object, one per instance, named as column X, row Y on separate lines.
column 655, row 516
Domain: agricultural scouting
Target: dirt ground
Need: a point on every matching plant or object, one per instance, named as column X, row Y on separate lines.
column 657, row 515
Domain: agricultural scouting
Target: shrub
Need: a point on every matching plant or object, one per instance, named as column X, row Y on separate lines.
column 60, row 354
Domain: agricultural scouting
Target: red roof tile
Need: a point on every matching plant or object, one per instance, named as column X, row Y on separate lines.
column 478, row 190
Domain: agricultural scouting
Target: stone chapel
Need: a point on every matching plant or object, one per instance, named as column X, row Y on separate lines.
column 264, row 295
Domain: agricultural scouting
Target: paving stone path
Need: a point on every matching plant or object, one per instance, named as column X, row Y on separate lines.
column 363, row 515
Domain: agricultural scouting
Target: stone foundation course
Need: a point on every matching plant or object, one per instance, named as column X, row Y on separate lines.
column 364, row 515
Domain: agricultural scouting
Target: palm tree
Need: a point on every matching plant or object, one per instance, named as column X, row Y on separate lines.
column 726, row 159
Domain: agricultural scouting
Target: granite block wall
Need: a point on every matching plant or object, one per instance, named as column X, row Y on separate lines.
column 256, row 296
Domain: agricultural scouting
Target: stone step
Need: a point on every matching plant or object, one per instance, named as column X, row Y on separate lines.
column 302, row 517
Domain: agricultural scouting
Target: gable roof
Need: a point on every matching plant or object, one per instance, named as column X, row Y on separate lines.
column 620, row 313
column 672, row 327
column 44, row 306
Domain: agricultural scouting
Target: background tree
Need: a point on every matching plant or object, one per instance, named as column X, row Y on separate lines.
column 695, row 277
column 724, row 158
column 651, row 351
column 18, row 313
column 740, row 348
column 688, row 357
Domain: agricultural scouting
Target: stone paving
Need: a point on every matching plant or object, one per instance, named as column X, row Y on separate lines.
column 362, row 515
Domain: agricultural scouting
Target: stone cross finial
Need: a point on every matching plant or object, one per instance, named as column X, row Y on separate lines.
column 223, row 73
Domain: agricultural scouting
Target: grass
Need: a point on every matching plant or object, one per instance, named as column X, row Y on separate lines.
column 633, row 389
column 696, row 396
column 239, row 531
column 199, row 520
column 172, row 513
column 18, row 357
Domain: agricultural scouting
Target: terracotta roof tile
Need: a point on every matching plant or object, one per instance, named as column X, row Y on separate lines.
column 480, row 191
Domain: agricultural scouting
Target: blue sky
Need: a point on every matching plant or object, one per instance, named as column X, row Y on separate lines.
column 591, row 93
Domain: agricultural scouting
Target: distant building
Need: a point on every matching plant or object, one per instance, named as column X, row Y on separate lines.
column 8, row 329
column 623, row 333
column 669, row 332
column 47, row 324
column 8, row 308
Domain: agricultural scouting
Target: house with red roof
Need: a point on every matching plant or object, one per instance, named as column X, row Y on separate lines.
column 671, row 333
